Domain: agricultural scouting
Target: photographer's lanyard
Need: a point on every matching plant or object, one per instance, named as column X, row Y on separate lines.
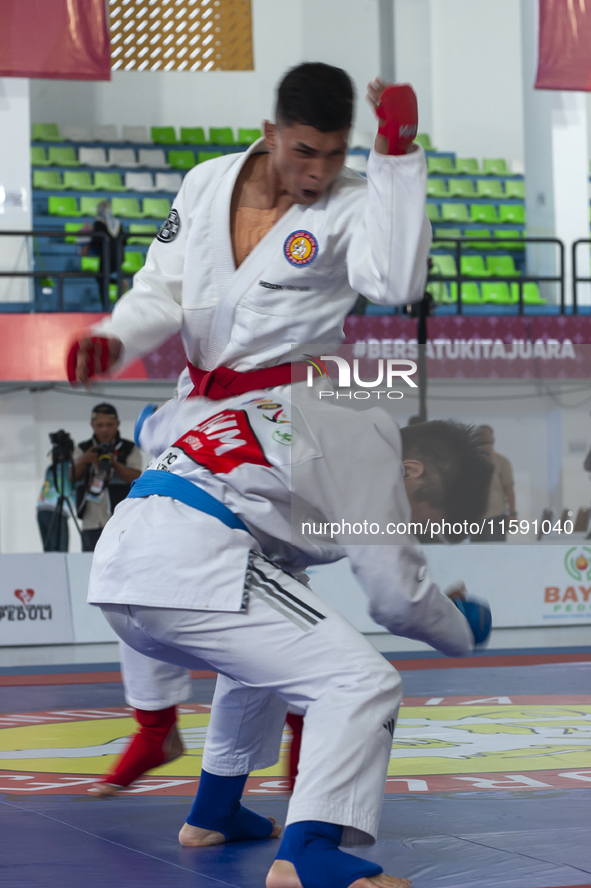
column 178, row 488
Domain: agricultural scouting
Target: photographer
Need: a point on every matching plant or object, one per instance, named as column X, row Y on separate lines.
column 104, row 468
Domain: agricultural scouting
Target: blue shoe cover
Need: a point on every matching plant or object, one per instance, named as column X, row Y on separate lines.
column 217, row 807
column 313, row 848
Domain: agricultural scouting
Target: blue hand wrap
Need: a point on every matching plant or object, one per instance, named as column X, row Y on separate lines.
column 313, row 848
column 479, row 618
column 217, row 807
column 148, row 411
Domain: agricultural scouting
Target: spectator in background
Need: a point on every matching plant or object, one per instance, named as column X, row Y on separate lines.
column 104, row 468
column 106, row 223
column 501, row 500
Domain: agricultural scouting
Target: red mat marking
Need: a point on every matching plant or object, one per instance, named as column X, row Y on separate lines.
column 74, row 678
column 402, row 665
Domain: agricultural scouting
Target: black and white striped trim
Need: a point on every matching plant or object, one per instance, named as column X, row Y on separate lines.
column 282, row 600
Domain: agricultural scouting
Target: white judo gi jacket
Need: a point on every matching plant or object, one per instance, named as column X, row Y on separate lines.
column 296, row 286
column 255, row 453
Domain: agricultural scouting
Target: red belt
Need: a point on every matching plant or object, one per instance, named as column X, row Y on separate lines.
column 225, row 383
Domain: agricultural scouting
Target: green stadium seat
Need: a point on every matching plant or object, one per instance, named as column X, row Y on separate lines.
column 441, row 166
column 164, row 135
column 78, row 180
column 193, row 135
column 531, row 294
column 486, row 214
column 424, row 140
column 113, row 293
column 38, row 156
column 156, row 207
column 181, row 160
column 461, row 188
column 478, row 245
column 90, row 263
column 46, row 132
column 496, row 167
column 509, row 245
column 49, row 180
column 444, row 266
column 248, row 136
column 454, row 212
column 432, row 211
column 490, row 188
column 221, row 135
column 515, row 188
column 513, row 213
column 126, row 207
column 467, row 166
column 132, row 261
column 73, row 227
column 89, row 204
column 60, row 205
column 63, row 156
column 436, row 188
column 108, row 182
column 470, row 293
column 136, row 229
column 445, row 232
column 501, row 266
column 497, row 293
column 203, row 156
column 473, row 266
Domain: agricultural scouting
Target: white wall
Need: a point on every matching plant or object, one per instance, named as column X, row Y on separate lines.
column 15, row 185
column 285, row 33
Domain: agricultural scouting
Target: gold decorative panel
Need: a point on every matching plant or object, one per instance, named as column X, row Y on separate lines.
column 181, row 35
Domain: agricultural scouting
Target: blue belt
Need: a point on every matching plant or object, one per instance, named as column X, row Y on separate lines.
column 178, row 488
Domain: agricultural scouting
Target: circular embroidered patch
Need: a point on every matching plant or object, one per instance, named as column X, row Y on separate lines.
column 300, row 248
column 170, row 229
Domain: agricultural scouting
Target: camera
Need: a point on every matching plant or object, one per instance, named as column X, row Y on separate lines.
column 62, row 446
column 104, row 450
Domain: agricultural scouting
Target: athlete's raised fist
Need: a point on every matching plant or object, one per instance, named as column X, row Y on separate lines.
column 91, row 355
column 478, row 615
column 396, row 108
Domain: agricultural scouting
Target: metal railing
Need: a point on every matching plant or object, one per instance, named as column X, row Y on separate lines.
column 461, row 243
column 103, row 276
column 577, row 278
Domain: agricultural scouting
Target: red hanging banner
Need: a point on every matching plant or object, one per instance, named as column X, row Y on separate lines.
column 564, row 45
column 61, row 39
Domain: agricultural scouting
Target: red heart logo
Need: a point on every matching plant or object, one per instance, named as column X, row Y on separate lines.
column 24, row 595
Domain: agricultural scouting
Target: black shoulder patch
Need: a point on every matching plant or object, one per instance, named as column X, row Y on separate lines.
column 170, row 229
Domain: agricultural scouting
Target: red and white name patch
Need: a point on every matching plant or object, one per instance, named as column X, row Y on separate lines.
column 223, row 442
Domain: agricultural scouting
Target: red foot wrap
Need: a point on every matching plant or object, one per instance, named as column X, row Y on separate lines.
column 399, row 112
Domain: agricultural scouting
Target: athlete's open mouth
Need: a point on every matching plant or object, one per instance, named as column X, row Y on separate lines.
column 309, row 194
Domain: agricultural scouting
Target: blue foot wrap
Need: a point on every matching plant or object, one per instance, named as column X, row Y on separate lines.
column 313, row 848
column 217, row 807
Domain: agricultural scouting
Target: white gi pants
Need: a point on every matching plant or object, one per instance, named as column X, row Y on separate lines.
column 286, row 647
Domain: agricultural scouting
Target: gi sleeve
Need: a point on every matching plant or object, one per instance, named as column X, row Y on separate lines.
column 363, row 482
column 388, row 251
column 150, row 313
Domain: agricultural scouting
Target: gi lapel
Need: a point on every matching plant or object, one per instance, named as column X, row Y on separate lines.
column 244, row 278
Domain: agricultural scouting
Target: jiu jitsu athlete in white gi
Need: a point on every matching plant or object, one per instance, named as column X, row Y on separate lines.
column 180, row 575
column 262, row 250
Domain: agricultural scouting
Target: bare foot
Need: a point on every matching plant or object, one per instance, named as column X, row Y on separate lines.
column 283, row 875
column 195, row 837
column 105, row 790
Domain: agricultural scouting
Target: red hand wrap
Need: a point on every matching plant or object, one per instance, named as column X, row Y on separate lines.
column 100, row 344
column 399, row 112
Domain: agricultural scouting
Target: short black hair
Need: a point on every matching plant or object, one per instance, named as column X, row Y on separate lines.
column 316, row 95
column 457, row 471
column 106, row 409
